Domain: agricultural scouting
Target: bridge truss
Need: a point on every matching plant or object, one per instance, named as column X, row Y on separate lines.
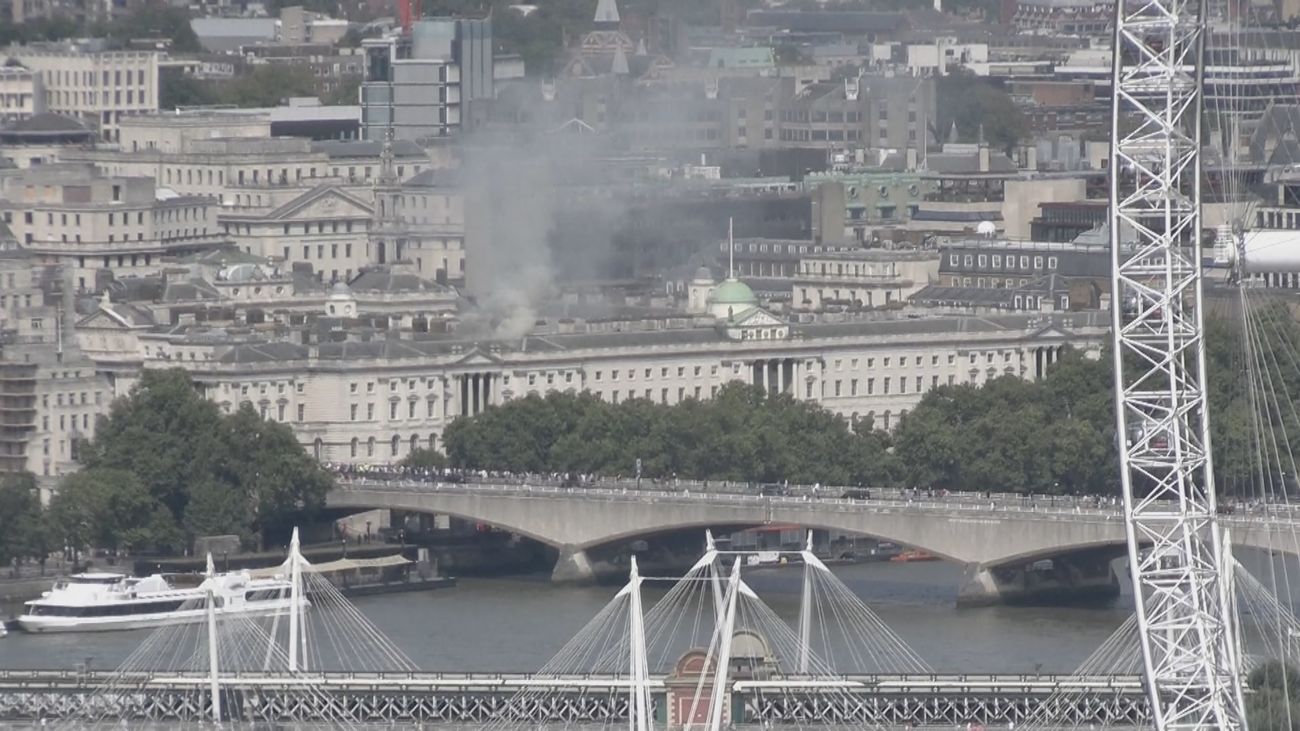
column 1184, row 607
column 888, row 701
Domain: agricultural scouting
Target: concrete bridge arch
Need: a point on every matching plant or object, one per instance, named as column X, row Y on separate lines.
column 995, row 543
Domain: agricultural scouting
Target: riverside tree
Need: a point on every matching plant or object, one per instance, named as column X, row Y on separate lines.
column 1054, row 435
column 740, row 434
column 22, row 534
column 166, row 465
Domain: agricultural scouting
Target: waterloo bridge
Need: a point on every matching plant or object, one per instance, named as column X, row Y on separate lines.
column 1003, row 540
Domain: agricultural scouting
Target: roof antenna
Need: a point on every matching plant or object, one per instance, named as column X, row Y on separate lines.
column 731, row 248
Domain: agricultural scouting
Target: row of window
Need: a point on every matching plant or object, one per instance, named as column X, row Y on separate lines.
column 65, row 421
column 887, row 384
column 394, row 445
column 805, row 116
column 163, row 215
column 65, row 99
column 1278, row 219
column 193, row 176
column 763, row 248
column 262, row 387
column 696, row 372
column 983, row 260
column 87, row 78
column 394, row 408
column 320, row 251
column 828, row 296
column 884, row 269
column 994, row 282
column 123, row 609
column 886, row 361
column 696, row 392
column 71, row 397
column 15, row 301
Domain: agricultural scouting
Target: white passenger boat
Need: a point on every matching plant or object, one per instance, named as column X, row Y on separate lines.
column 96, row 602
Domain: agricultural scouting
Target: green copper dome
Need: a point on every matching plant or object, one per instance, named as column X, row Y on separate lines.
column 733, row 292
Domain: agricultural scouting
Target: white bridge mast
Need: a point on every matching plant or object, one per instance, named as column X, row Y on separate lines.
column 1159, row 350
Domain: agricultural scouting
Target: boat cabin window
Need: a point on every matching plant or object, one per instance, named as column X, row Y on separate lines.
column 120, row 609
column 264, row 595
column 100, row 580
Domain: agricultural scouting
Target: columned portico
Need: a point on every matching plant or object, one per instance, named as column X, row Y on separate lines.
column 774, row 375
column 1044, row 357
column 476, row 392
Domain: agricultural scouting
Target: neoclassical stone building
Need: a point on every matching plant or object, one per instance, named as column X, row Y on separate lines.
column 373, row 397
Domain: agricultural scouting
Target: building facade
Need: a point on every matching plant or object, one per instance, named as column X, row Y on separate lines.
column 50, row 393
column 95, row 86
column 374, row 402
column 21, row 93
column 87, row 223
column 417, row 84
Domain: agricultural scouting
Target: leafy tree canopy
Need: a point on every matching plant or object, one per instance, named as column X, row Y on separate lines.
column 166, row 466
column 425, row 459
column 21, row 528
column 1056, row 434
column 1273, row 704
column 741, row 434
column 265, row 85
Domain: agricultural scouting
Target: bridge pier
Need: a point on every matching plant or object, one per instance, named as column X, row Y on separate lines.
column 573, row 566
column 1078, row 579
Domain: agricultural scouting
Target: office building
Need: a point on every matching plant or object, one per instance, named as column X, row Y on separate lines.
column 95, row 86
column 418, row 84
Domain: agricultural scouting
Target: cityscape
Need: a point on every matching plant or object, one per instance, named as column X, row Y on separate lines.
column 681, row 364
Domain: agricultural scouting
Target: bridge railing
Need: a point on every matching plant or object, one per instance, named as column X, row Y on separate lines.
column 69, row 678
column 890, row 501
column 671, row 484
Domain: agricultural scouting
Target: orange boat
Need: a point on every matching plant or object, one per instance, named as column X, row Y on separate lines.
column 915, row 555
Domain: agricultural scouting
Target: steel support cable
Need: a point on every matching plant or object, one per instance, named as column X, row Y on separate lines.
column 1259, row 401
column 1267, row 364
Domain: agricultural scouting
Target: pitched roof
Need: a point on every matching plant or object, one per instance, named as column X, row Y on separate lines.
column 1046, row 286
column 189, row 290
column 384, row 279
column 263, row 352
column 123, row 313
column 366, row 148
column 851, row 22
column 961, row 162
column 48, row 122
column 223, row 256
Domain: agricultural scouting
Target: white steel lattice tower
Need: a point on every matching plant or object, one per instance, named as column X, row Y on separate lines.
column 1187, row 638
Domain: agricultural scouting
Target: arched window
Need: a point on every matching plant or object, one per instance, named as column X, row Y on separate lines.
column 354, row 447
column 396, row 444
column 886, row 421
column 370, row 447
column 415, row 442
column 433, row 441
column 318, row 448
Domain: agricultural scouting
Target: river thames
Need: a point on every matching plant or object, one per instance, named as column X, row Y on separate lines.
column 516, row 624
